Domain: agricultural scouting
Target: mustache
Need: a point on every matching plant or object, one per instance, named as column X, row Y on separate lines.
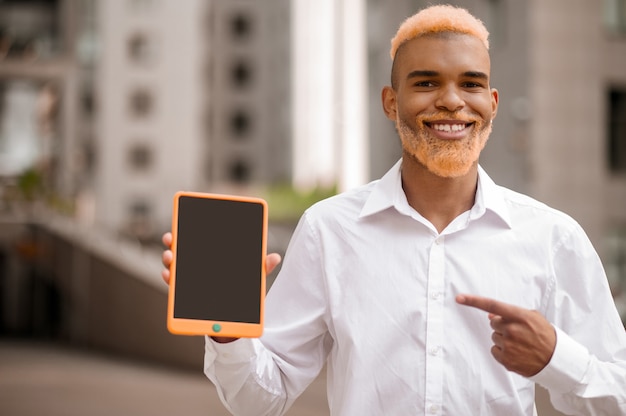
column 446, row 115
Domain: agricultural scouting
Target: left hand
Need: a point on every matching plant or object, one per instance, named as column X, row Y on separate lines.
column 524, row 340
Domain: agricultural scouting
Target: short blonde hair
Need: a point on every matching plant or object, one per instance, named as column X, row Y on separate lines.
column 439, row 19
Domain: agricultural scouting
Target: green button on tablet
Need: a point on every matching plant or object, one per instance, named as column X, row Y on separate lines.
column 217, row 327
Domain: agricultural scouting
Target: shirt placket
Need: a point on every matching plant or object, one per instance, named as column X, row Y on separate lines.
column 434, row 329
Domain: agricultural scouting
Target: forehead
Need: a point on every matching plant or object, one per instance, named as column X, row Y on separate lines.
column 443, row 52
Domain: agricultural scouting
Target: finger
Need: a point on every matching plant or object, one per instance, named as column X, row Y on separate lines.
column 271, row 261
column 166, row 258
column 497, row 339
column 167, row 239
column 165, row 274
column 505, row 310
column 497, row 323
column 497, row 353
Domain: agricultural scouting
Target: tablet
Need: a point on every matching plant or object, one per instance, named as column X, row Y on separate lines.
column 217, row 276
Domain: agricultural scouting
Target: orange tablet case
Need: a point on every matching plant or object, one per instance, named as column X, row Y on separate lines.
column 221, row 328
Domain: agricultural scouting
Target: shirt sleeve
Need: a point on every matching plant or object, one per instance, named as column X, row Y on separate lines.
column 265, row 376
column 587, row 372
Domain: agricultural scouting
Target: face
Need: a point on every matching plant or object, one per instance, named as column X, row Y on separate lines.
column 442, row 102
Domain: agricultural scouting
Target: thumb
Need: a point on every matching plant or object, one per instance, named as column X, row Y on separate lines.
column 271, row 261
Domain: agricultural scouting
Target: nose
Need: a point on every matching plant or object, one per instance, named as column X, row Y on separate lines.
column 449, row 99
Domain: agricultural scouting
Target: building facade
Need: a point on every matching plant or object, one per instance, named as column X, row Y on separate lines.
column 146, row 97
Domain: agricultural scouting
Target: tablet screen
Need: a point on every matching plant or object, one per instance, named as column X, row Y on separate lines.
column 219, row 254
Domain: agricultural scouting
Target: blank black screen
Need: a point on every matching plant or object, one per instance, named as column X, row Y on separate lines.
column 218, row 260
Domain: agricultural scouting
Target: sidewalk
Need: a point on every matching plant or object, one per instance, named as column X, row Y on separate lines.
column 53, row 380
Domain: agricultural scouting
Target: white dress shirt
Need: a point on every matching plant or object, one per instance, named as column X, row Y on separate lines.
column 368, row 287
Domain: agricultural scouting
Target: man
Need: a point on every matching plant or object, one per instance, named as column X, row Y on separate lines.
column 433, row 290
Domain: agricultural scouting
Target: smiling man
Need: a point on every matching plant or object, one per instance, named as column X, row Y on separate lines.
column 433, row 291
column 441, row 100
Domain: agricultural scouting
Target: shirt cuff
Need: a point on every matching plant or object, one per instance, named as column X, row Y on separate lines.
column 230, row 353
column 567, row 367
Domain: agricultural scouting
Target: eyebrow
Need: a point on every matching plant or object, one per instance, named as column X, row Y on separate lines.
column 476, row 74
column 429, row 73
column 422, row 73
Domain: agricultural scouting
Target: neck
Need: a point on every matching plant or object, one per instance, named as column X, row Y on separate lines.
column 440, row 200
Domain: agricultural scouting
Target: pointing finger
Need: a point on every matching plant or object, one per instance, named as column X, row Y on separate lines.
column 494, row 307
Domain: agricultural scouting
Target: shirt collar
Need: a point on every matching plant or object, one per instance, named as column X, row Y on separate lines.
column 384, row 193
column 388, row 193
column 490, row 197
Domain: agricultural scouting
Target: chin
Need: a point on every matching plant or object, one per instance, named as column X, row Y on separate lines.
column 448, row 170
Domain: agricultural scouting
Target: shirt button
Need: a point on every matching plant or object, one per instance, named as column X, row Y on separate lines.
column 435, row 295
column 434, row 350
column 433, row 409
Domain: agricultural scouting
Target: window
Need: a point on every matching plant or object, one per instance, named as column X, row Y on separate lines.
column 139, row 221
column 239, row 171
column 497, row 22
column 240, row 123
column 140, row 209
column 140, row 157
column 617, row 131
column 87, row 101
column 141, row 103
column 241, row 74
column 240, row 26
column 141, row 49
column 615, row 16
column 142, row 6
column 27, row 121
column 88, row 155
column 616, row 267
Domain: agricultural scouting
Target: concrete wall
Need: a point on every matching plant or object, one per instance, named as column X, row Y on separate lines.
column 75, row 286
column 573, row 61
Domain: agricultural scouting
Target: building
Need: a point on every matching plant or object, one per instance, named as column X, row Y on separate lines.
column 153, row 96
column 193, row 96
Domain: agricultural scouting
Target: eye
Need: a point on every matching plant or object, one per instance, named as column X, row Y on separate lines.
column 424, row 84
column 472, row 85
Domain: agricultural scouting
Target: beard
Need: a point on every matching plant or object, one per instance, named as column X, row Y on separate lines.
column 446, row 158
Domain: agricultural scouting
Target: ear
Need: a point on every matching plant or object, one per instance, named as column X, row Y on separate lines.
column 389, row 103
column 494, row 102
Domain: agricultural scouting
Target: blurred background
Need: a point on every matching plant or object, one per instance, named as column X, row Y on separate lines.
column 108, row 107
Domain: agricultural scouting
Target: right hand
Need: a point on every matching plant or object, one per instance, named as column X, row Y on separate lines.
column 271, row 261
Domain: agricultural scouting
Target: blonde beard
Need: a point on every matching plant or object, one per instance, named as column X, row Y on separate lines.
column 445, row 158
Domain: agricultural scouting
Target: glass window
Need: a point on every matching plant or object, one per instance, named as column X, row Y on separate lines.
column 617, row 131
column 139, row 221
column 241, row 74
column 142, row 6
column 240, row 123
column 141, row 103
column 28, row 114
column 140, row 157
column 140, row 208
column 616, row 268
column 615, row 16
column 239, row 171
column 87, row 101
column 240, row 26
column 141, row 49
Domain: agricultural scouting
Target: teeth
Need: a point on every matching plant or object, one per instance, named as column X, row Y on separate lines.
column 449, row 127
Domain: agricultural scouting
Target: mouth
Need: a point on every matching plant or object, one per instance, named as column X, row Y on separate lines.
column 449, row 129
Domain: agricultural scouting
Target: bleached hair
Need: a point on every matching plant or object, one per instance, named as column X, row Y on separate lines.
column 439, row 19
